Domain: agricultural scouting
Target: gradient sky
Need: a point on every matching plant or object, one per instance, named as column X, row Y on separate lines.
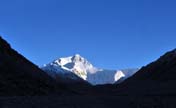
column 111, row 34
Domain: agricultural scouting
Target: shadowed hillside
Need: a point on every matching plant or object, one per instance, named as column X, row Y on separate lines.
column 157, row 78
column 18, row 76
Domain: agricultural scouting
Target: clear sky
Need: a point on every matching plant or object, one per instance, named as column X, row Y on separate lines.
column 109, row 33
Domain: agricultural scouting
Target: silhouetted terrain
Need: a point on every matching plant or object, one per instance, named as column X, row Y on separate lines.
column 157, row 78
column 24, row 85
column 18, row 76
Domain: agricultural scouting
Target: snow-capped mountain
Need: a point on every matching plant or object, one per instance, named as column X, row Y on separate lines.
column 77, row 68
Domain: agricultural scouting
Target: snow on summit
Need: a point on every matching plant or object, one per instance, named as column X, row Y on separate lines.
column 82, row 68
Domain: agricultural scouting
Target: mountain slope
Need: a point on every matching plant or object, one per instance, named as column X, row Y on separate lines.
column 78, row 69
column 18, row 76
column 64, row 76
column 158, row 77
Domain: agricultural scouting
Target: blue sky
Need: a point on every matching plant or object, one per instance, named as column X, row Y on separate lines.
column 110, row 33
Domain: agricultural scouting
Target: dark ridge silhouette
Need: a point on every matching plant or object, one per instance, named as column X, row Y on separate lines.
column 157, row 78
column 18, row 76
column 163, row 69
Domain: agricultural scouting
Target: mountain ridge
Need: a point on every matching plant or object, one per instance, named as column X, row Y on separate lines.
column 82, row 68
column 156, row 78
column 19, row 76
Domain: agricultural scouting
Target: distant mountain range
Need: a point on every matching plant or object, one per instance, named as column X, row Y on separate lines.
column 76, row 68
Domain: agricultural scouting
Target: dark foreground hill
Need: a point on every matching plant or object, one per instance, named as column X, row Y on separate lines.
column 18, row 76
column 157, row 78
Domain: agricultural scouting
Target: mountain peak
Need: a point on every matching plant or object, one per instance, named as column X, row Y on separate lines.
column 75, row 64
column 77, row 58
column 81, row 67
column 77, row 55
